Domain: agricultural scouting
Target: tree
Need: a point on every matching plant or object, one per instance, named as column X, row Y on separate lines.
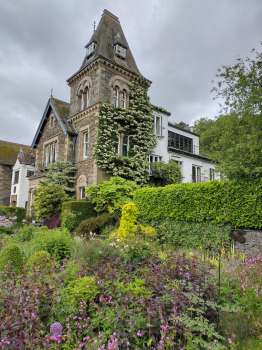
column 234, row 139
column 240, row 85
column 165, row 173
column 48, row 200
column 62, row 173
column 111, row 195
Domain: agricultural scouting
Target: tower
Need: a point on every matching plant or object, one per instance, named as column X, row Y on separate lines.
column 107, row 68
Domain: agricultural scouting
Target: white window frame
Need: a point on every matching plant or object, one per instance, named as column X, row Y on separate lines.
column 50, row 152
column 198, row 172
column 121, row 144
column 90, row 49
column 120, row 51
column 211, row 174
column 82, row 193
column 86, row 143
column 159, row 132
column 116, row 96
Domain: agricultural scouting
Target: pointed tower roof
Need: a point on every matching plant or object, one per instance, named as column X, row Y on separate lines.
column 107, row 34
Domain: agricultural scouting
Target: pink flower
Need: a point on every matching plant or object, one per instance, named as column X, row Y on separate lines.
column 113, row 343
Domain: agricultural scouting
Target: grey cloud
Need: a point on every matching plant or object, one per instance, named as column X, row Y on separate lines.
column 179, row 45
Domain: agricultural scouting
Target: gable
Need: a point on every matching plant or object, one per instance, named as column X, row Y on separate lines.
column 58, row 111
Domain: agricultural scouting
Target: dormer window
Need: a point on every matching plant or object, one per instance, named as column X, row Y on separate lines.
column 90, row 49
column 120, row 50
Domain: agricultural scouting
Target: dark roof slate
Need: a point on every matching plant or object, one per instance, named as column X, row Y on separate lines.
column 61, row 112
column 108, row 33
column 9, row 152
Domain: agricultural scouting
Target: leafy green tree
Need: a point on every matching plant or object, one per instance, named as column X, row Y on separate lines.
column 234, row 140
column 111, row 195
column 62, row 173
column 165, row 173
column 48, row 199
column 240, row 85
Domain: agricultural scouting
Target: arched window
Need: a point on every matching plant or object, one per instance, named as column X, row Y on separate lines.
column 86, row 97
column 123, row 99
column 116, row 97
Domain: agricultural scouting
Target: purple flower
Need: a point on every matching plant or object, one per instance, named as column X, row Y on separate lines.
column 56, row 329
column 113, row 343
column 140, row 333
column 164, row 327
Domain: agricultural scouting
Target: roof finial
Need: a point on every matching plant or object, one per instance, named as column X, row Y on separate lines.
column 51, row 93
column 94, row 26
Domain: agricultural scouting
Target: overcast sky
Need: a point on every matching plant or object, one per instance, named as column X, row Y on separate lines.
column 178, row 44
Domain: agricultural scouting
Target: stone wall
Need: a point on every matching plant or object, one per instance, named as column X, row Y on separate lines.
column 50, row 133
column 248, row 242
column 5, row 184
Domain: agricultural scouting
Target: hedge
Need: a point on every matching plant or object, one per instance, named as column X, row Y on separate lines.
column 75, row 211
column 10, row 212
column 237, row 203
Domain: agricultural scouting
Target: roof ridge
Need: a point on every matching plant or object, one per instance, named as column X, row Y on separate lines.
column 15, row 143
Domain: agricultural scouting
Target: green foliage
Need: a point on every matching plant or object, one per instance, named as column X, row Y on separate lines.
column 82, row 289
column 12, row 212
column 240, row 85
column 135, row 121
column 128, row 228
column 58, row 243
column 165, row 173
column 238, row 203
column 94, row 225
column 6, row 230
column 73, row 212
column 204, row 236
column 11, row 258
column 111, row 195
column 48, row 200
column 40, row 261
column 63, row 174
column 25, row 233
column 136, row 250
column 235, row 142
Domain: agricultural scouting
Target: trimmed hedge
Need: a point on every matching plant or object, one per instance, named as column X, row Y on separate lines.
column 236, row 203
column 75, row 211
column 204, row 236
column 9, row 212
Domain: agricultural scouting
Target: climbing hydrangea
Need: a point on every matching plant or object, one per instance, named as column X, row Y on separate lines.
column 136, row 121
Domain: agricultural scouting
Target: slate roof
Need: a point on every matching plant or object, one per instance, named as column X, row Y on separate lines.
column 61, row 112
column 108, row 33
column 9, row 152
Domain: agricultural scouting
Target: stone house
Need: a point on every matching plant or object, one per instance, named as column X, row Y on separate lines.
column 68, row 131
column 8, row 157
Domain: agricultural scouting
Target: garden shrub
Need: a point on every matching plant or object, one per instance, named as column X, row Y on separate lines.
column 13, row 212
column 40, row 261
column 25, row 233
column 94, row 253
column 204, row 236
column 6, row 230
column 58, row 242
column 48, row 199
column 82, row 289
column 128, row 227
column 111, row 195
column 11, row 258
column 73, row 212
column 94, row 225
column 163, row 174
column 238, row 203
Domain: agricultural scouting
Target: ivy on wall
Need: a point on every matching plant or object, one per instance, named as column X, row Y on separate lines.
column 136, row 121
